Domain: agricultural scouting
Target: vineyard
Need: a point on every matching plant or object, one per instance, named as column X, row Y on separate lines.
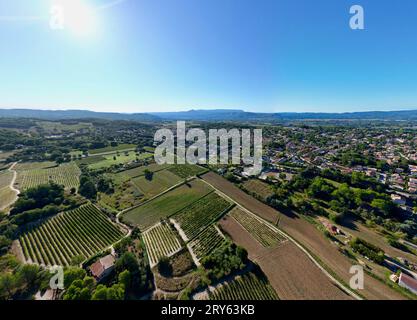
column 262, row 232
column 80, row 232
column 166, row 205
column 186, row 170
column 65, row 174
column 160, row 241
column 206, row 242
column 194, row 218
column 246, row 287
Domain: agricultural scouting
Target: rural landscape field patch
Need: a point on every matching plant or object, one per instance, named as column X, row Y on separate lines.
column 260, row 230
column 160, row 241
column 167, row 204
column 201, row 213
column 80, row 232
column 65, row 174
column 206, row 242
column 246, row 287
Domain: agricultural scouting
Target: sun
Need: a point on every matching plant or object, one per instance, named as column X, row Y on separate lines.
column 79, row 17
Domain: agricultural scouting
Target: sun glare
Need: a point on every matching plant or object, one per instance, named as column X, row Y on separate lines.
column 79, row 17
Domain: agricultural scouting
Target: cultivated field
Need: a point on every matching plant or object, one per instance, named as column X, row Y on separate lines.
column 290, row 272
column 119, row 148
column 80, row 232
column 22, row 166
column 261, row 231
column 246, row 287
column 166, row 205
column 207, row 241
column 66, row 174
column 186, row 170
column 140, row 171
column 160, row 181
column 160, row 241
column 242, row 198
column 258, row 188
column 6, row 177
column 118, row 159
column 194, row 218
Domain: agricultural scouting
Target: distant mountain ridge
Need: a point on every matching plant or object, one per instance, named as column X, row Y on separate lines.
column 206, row 115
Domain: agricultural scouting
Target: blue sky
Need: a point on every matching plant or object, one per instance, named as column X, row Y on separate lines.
column 167, row 55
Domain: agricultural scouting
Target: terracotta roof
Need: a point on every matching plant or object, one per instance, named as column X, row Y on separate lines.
column 101, row 265
column 97, row 269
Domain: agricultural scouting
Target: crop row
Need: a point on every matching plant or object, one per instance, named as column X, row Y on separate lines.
column 80, row 232
column 206, row 242
column 246, row 287
column 263, row 233
column 160, row 241
column 194, row 218
column 66, row 175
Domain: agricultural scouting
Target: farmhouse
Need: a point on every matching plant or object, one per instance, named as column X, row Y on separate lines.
column 408, row 282
column 102, row 267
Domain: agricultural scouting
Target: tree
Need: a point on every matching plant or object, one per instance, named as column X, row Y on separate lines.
column 72, row 274
column 88, row 190
column 127, row 261
column 164, row 267
column 7, row 285
column 125, row 278
column 148, row 174
column 100, row 293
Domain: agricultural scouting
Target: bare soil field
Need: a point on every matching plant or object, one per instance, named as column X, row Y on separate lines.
column 308, row 236
column 241, row 197
column 291, row 273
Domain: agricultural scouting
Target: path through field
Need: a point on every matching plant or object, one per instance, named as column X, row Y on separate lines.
column 11, row 186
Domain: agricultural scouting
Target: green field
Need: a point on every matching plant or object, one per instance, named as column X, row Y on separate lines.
column 247, row 287
column 160, row 181
column 186, row 170
column 167, row 204
column 119, row 148
column 194, row 218
column 90, row 160
column 140, row 171
column 34, row 165
column 6, row 177
column 80, row 232
column 7, row 196
column 121, row 159
column 65, row 174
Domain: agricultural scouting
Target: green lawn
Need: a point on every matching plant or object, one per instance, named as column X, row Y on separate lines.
column 160, row 181
column 120, row 148
column 167, row 204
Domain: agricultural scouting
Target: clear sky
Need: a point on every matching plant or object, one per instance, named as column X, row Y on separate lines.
column 168, row 55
